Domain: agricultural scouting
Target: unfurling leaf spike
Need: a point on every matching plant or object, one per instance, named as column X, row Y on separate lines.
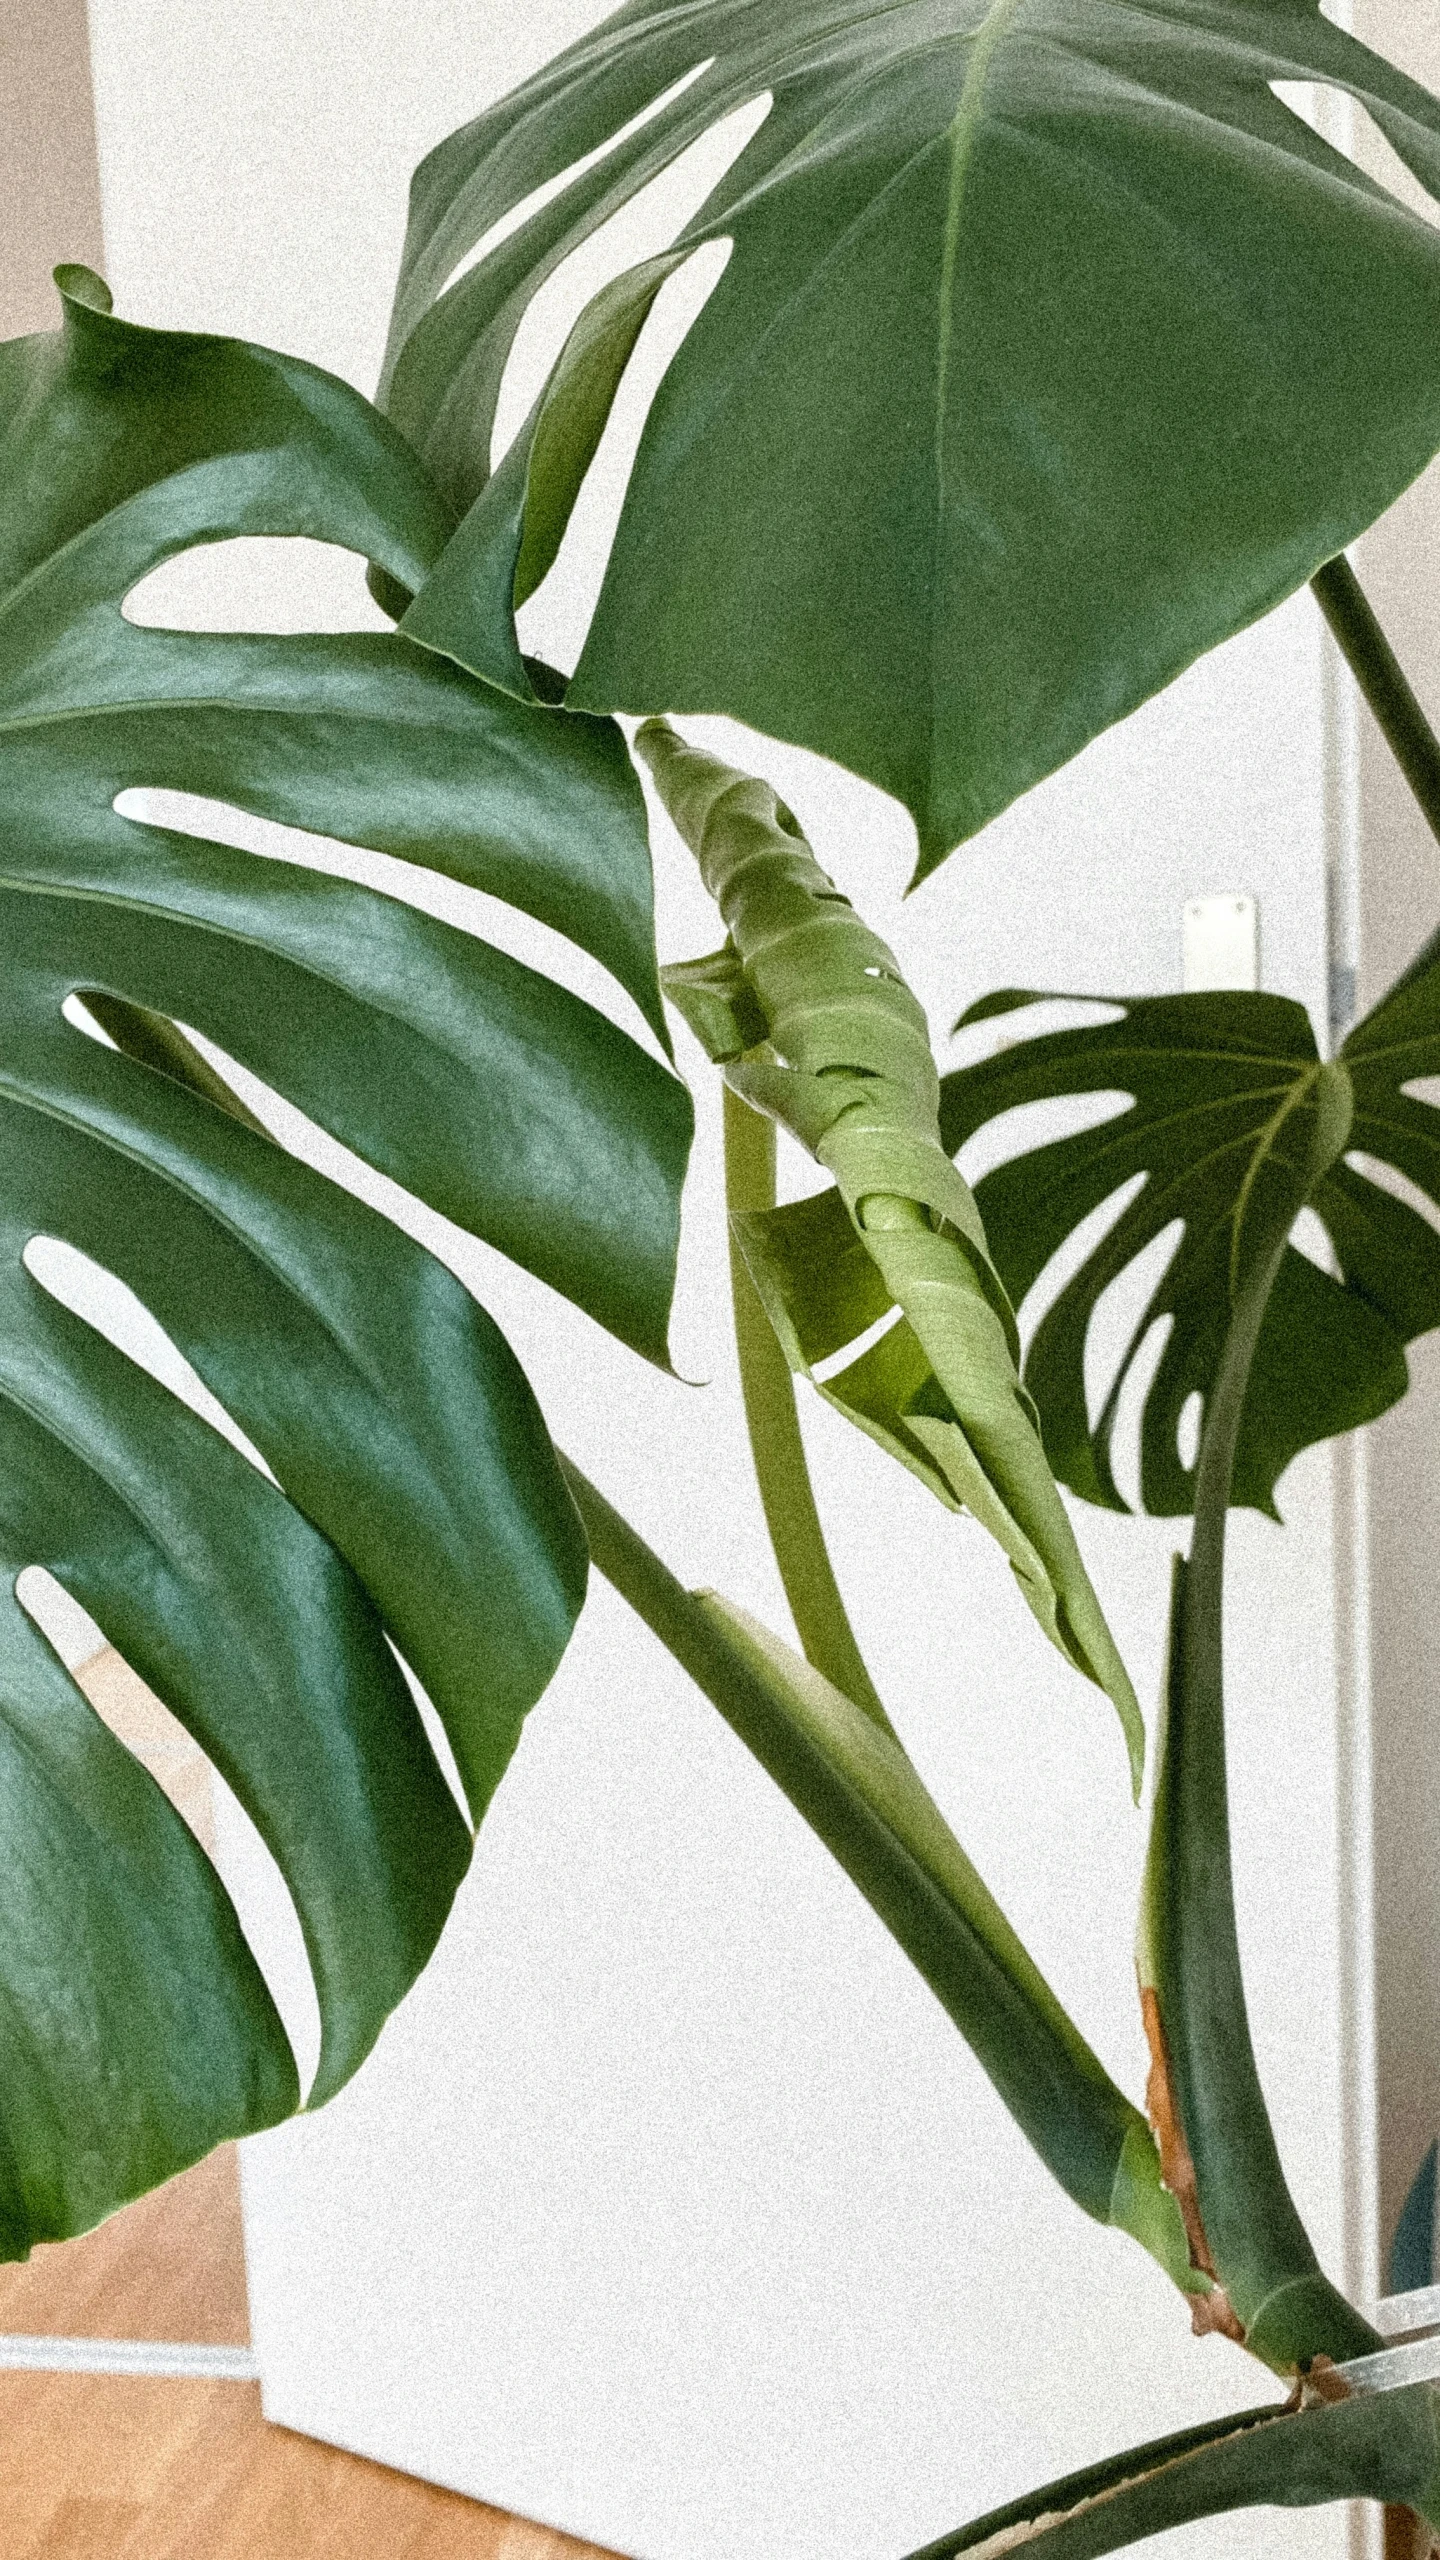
column 808, row 1013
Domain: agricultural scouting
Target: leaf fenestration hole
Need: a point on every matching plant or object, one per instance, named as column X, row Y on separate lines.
column 79, row 1016
column 1310, row 1237
column 68, row 1628
column 1028, row 1125
column 553, row 623
column 275, row 583
column 453, row 902
column 1116, row 1321
column 184, row 1772
column 1187, row 1430
column 435, row 1734
column 1349, row 128
column 133, row 1713
column 482, row 1268
column 549, row 188
column 1388, row 1177
column 1130, row 1409
column 649, row 223
column 252, row 1876
column 1071, row 1256
column 104, row 1302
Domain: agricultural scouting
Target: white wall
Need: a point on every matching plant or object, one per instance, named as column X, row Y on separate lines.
column 670, row 2208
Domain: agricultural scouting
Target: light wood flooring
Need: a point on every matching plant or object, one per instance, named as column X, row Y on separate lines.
column 95, row 2468
column 171, row 2266
column 100, row 2467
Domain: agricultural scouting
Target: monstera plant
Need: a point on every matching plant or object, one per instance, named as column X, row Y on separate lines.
column 1052, row 347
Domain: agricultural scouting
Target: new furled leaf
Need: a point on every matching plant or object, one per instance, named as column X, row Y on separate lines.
column 814, row 1025
column 416, row 1495
column 1208, row 1076
column 1052, row 348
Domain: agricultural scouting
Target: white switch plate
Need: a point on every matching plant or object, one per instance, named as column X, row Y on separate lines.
column 1221, row 944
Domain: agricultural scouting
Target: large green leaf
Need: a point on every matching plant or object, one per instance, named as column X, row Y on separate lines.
column 806, row 1010
column 417, row 1496
column 1053, row 348
column 1213, row 1079
column 1383, row 2447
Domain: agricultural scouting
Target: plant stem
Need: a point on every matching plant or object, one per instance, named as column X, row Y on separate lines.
column 786, row 1493
column 1221, row 2106
column 863, row 1798
column 1261, row 2251
column 1383, row 682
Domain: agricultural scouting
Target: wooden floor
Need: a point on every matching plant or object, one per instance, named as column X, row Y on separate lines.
column 93, row 2468
column 171, row 2266
column 98, row 2467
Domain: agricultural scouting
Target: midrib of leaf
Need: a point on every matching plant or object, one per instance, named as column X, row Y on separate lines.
column 1389, row 1049
column 963, row 130
column 1124, row 1127
column 1183, row 1182
column 18, row 725
column 1197, row 1166
column 1264, row 1148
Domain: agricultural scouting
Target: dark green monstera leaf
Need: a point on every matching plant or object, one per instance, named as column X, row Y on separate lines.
column 1052, row 348
column 415, row 1493
column 1214, row 1080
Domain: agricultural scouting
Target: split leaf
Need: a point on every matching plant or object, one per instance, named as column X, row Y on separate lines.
column 414, row 1494
column 1052, row 348
column 1210, row 1080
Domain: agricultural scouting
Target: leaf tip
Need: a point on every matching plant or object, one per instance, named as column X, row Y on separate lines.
column 79, row 284
column 1000, row 1000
